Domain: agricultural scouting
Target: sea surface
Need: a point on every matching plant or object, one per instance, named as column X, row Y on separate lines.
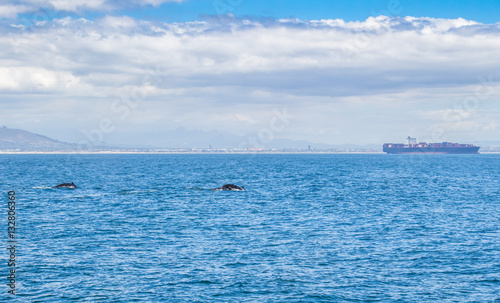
column 308, row 228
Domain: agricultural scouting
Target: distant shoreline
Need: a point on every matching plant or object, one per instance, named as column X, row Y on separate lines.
column 178, row 153
column 194, row 153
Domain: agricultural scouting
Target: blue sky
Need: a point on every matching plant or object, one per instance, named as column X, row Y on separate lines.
column 125, row 72
column 485, row 11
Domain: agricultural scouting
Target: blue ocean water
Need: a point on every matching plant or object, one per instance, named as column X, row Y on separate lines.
column 309, row 228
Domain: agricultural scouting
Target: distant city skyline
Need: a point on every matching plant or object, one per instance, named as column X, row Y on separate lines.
column 332, row 72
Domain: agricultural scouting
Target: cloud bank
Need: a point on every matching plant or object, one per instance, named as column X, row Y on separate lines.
column 15, row 8
column 344, row 81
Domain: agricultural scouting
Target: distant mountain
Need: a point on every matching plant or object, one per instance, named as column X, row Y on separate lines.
column 184, row 138
column 489, row 146
column 21, row 140
column 179, row 138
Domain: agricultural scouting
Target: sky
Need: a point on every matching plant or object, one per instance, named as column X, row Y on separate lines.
column 334, row 72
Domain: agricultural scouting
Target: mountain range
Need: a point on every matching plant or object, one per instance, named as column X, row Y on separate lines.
column 214, row 139
column 21, row 140
column 182, row 138
column 179, row 138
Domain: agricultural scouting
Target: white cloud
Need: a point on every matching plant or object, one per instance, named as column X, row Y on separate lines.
column 118, row 22
column 492, row 126
column 336, row 76
column 78, row 6
column 30, row 80
column 11, row 11
column 155, row 2
column 46, row 9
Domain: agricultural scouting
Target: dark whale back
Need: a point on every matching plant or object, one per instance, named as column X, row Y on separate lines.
column 66, row 185
column 231, row 187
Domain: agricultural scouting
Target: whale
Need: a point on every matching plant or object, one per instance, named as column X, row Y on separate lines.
column 66, row 185
column 230, row 187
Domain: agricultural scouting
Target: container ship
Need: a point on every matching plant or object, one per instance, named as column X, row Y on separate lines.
column 430, row 148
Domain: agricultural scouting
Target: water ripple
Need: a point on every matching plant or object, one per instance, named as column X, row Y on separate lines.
column 309, row 228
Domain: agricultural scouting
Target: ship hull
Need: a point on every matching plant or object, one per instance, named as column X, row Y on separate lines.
column 432, row 150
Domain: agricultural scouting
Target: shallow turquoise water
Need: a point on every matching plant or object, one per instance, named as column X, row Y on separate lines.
column 309, row 228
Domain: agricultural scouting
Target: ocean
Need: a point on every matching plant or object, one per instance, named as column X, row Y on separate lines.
column 308, row 228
